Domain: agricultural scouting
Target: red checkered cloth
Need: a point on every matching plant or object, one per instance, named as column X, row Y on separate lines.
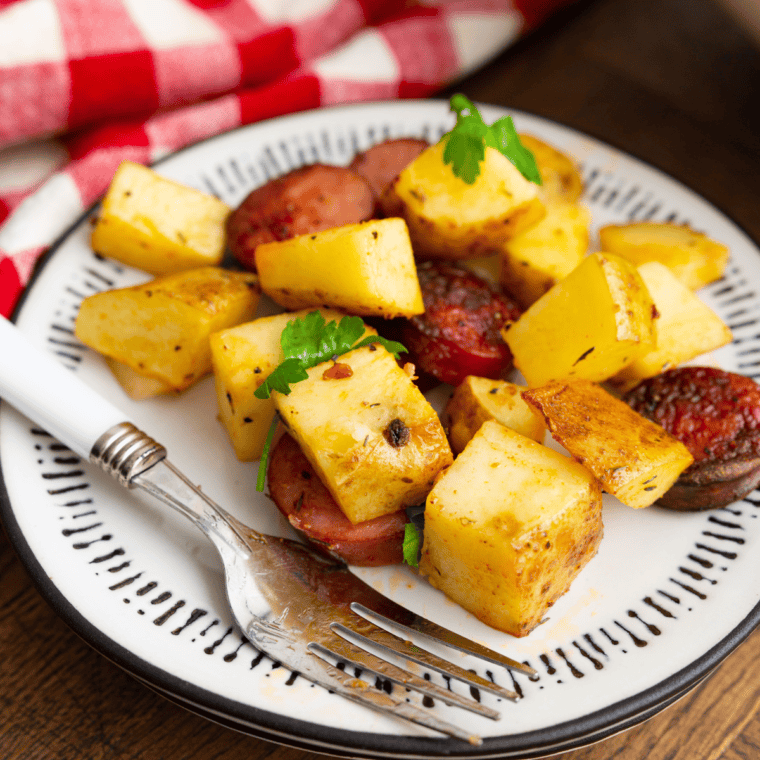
column 86, row 84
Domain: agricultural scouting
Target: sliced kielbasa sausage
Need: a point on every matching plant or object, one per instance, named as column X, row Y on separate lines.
column 458, row 335
column 307, row 504
column 306, row 200
column 382, row 163
column 716, row 415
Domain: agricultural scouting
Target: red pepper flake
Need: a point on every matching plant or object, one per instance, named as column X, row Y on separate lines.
column 338, row 371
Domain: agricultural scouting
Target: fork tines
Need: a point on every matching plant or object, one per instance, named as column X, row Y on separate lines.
column 433, row 633
column 383, row 648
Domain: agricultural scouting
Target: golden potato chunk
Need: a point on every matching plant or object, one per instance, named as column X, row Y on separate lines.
column 686, row 328
column 449, row 218
column 508, row 527
column 242, row 358
column 560, row 176
column 151, row 223
column 633, row 458
column 373, row 438
column 366, row 269
column 693, row 257
column 135, row 385
column 478, row 399
column 161, row 329
column 538, row 258
column 590, row 325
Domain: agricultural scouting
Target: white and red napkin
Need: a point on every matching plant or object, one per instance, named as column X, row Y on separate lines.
column 86, row 84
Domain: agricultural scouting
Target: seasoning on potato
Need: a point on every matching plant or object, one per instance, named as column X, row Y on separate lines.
column 592, row 324
column 161, row 329
column 686, row 328
column 242, row 357
column 479, row 399
column 544, row 254
column 451, row 219
column 152, row 223
column 561, row 176
column 365, row 269
column 508, row 527
column 633, row 458
column 693, row 257
column 373, row 438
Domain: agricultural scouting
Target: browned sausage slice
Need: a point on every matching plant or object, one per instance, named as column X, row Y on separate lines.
column 382, row 163
column 458, row 335
column 306, row 200
column 716, row 415
column 303, row 499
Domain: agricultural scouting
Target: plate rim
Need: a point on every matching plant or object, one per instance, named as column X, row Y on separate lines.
column 283, row 729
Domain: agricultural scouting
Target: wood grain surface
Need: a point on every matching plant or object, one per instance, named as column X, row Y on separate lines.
column 674, row 82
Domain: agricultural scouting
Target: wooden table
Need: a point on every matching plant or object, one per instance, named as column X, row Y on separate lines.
column 675, row 82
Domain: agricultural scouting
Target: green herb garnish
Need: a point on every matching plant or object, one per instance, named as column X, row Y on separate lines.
column 411, row 545
column 306, row 342
column 261, row 475
column 466, row 144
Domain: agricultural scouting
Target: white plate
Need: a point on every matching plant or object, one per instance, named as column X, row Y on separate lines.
column 667, row 597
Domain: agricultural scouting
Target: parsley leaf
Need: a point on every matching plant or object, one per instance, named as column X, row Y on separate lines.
column 281, row 378
column 466, row 148
column 306, row 342
column 261, row 475
column 411, row 545
column 508, row 143
column 414, row 531
column 466, row 144
column 310, row 340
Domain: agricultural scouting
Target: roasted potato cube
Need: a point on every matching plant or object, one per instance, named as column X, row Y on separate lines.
column 686, row 328
column 135, row 385
column 508, row 527
column 161, row 328
column 242, row 358
column 633, row 458
column 451, row 219
column 590, row 325
column 373, row 438
column 541, row 256
column 151, row 223
column 694, row 258
column 478, row 399
column 560, row 176
column 366, row 269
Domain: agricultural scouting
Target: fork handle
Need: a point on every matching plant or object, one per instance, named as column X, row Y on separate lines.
column 51, row 395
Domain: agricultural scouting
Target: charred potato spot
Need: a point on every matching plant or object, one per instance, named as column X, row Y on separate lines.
column 397, row 433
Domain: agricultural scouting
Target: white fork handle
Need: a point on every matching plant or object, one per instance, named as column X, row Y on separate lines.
column 51, row 395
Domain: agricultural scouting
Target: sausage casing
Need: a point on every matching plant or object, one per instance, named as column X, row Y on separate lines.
column 306, row 200
column 716, row 415
column 306, row 503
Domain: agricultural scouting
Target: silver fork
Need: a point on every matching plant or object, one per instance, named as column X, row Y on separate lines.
column 305, row 611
